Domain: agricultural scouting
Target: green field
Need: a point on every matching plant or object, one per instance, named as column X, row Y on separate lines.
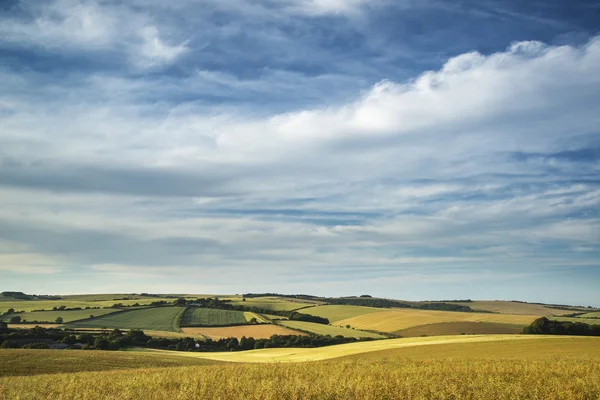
column 196, row 316
column 157, row 319
column 67, row 316
column 321, row 329
column 271, row 303
column 590, row 315
column 338, row 312
column 31, row 305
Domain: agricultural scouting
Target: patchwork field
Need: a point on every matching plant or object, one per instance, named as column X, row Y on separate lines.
column 212, row 317
column 392, row 321
column 270, row 303
column 459, row 328
column 338, row 312
column 262, row 331
column 514, row 307
column 591, row 321
column 47, row 305
column 67, row 316
column 321, row 329
column 158, row 319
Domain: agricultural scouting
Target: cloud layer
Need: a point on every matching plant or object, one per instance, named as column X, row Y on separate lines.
column 132, row 158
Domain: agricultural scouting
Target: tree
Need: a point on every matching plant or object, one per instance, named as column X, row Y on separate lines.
column 9, row 311
column 59, row 320
column 232, row 344
column 3, row 326
column 15, row 320
column 101, row 343
column 180, row 302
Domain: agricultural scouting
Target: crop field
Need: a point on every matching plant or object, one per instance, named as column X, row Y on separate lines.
column 338, row 312
column 32, row 305
column 321, row 329
column 212, row 317
column 67, row 316
column 459, row 328
column 269, row 303
column 514, row 307
column 157, row 319
column 262, row 331
column 14, row 362
column 590, row 315
column 392, row 321
column 591, row 321
column 426, row 345
column 259, row 318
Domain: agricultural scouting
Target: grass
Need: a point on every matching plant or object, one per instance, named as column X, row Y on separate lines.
column 68, row 316
column 15, row 362
column 458, row 328
column 591, row 321
column 157, row 319
column 392, row 321
column 212, row 317
column 262, row 331
column 590, row 315
column 321, row 329
column 338, row 312
column 369, row 378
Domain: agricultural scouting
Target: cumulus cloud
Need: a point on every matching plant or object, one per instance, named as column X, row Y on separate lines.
column 479, row 168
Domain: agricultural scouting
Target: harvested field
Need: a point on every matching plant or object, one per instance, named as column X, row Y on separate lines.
column 262, row 331
column 459, row 328
column 321, row 329
column 392, row 321
column 514, row 307
column 338, row 312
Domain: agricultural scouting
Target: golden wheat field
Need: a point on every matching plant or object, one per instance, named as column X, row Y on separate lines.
column 494, row 367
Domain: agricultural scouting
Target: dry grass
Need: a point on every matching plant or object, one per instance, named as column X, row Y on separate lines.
column 459, row 328
column 392, row 321
column 263, row 331
column 377, row 380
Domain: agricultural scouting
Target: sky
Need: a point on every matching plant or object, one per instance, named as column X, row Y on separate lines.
column 410, row 149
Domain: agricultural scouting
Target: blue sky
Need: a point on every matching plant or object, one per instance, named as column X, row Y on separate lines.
column 408, row 149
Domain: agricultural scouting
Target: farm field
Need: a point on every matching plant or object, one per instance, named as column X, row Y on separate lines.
column 262, row 331
column 338, row 312
column 590, row 315
column 370, row 380
column 591, row 321
column 212, row 317
column 270, row 303
column 423, row 343
column 321, row 329
column 157, row 319
column 459, row 328
column 31, row 305
column 513, row 307
column 67, row 316
column 392, row 321
column 14, row 362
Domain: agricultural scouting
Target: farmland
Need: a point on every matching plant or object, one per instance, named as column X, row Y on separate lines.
column 67, row 316
column 158, row 319
column 321, row 329
column 395, row 320
column 456, row 367
column 338, row 312
column 195, row 316
column 514, row 307
column 262, row 331
column 590, row 315
column 459, row 328
column 271, row 303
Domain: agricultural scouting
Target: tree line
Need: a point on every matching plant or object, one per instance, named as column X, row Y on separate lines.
column 544, row 326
